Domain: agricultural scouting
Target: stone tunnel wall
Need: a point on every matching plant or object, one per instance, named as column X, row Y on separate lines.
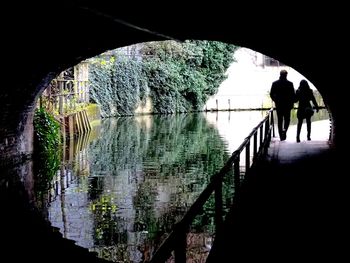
column 34, row 51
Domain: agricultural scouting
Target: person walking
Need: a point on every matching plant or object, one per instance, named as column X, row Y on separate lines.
column 305, row 111
column 282, row 94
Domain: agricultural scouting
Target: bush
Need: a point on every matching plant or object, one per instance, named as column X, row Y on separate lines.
column 179, row 77
column 46, row 147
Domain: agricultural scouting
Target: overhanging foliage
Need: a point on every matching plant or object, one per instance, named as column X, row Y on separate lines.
column 178, row 77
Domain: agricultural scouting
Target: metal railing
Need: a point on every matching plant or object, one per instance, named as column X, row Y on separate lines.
column 177, row 239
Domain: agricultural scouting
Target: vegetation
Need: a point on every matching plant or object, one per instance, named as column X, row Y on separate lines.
column 178, row 77
column 116, row 84
column 46, row 145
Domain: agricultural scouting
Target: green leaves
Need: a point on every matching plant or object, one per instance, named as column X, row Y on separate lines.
column 179, row 77
column 117, row 85
column 46, row 147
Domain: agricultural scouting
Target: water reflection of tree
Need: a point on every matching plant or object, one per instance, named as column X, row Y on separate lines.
column 169, row 162
column 104, row 212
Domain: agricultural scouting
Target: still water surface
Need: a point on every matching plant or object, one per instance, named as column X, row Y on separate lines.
column 121, row 189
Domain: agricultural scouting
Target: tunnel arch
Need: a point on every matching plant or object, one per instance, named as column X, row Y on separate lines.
column 103, row 26
column 33, row 55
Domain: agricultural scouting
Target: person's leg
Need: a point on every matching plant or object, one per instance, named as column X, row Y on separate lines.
column 286, row 119
column 300, row 123
column 308, row 126
column 285, row 123
column 279, row 123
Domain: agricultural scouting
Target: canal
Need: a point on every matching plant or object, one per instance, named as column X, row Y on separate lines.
column 121, row 188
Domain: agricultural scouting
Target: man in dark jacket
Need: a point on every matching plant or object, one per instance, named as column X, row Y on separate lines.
column 283, row 95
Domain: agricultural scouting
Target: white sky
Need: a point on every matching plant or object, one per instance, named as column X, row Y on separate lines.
column 244, row 77
column 247, row 83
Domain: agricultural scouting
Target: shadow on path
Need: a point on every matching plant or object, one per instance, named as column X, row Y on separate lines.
column 292, row 207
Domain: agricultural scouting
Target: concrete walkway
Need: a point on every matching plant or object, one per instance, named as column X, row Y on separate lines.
column 291, row 208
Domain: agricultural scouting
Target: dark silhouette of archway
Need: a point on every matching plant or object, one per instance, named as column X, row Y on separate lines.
column 42, row 39
column 46, row 39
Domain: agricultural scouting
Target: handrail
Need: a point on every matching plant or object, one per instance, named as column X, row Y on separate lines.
column 176, row 241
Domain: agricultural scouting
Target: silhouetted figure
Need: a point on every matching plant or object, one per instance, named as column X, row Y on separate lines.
column 283, row 95
column 305, row 111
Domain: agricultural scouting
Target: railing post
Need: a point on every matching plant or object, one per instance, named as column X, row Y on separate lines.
column 180, row 247
column 60, row 98
column 236, row 172
column 255, row 145
column 267, row 126
column 273, row 123
column 218, row 206
column 261, row 134
column 247, row 156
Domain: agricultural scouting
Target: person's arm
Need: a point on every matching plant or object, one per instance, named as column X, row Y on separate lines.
column 273, row 92
column 314, row 102
column 297, row 96
column 293, row 94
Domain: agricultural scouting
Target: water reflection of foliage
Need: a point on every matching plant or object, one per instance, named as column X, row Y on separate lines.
column 103, row 210
column 181, row 151
column 205, row 221
column 179, row 139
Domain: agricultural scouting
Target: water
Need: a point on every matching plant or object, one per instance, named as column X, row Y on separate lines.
column 120, row 193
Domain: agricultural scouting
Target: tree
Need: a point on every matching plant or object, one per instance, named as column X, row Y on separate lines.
column 178, row 77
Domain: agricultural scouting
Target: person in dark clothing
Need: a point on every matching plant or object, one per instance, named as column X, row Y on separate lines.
column 283, row 95
column 304, row 95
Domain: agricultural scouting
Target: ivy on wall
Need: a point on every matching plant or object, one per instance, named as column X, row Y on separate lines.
column 46, row 148
column 178, row 77
column 116, row 84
